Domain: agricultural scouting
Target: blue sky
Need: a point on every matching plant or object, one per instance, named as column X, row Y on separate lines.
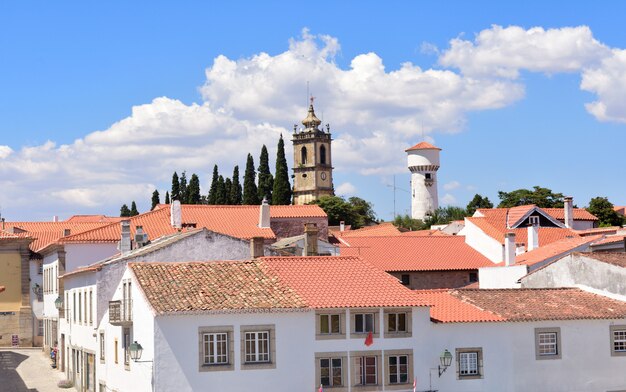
column 101, row 102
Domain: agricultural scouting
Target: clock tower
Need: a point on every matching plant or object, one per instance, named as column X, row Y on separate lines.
column 313, row 170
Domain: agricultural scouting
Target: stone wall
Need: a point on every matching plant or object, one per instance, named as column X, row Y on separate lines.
column 423, row 280
column 289, row 227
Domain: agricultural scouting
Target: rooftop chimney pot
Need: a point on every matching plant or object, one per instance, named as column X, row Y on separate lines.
column 256, row 247
column 264, row 215
column 310, row 239
column 125, row 240
column 568, row 207
column 509, row 249
column 176, row 214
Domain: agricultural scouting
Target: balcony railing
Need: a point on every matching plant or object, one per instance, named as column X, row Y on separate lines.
column 120, row 312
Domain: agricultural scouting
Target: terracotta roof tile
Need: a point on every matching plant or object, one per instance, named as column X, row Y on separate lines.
column 47, row 233
column 269, row 283
column 516, row 213
column 612, row 239
column 447, row 308
column 423, row 146
column 383, row 229
column 555, row 249
column 424, row 233
column 93, row 219
column 579, row 214
column 614, row 258
column 406, row 253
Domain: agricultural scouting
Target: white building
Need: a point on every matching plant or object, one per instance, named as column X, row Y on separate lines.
column 423, row 162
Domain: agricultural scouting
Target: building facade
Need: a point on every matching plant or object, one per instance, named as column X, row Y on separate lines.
column 423, row 163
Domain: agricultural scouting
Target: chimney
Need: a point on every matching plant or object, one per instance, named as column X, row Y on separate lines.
column 264, row 215
column 55, row 218
column 533, row 237
column 256, row 247
column 310, row 239
column 141, row 237
column 176, row 214
column 509, row 249
column 125, row 240
column 569, row 212
column 342, row 226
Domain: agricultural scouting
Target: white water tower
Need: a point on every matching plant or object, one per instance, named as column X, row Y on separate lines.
column 423, row 162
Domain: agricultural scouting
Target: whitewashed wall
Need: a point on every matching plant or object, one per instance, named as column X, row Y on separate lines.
column 501, row 277
column 482, row 243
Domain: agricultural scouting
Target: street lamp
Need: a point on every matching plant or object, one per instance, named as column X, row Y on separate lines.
column 446, row 360
column 135, row 351
column 58, row 303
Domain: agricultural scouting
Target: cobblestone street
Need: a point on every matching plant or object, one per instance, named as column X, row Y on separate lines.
column 26, row 370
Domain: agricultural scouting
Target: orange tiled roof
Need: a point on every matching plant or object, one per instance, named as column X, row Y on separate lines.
column 614, row 258
column 612, row 239
column 277, row 212
column 423, row 146
column 47, row 233
column 93, row 219
column 579, row 214
column 598, row 230
column 406, row 253
column 269, row 283
column 516, row 213
column 554, row 249
column 424, row 233
column 620, row 209
column 519, row 305
column 383, row 229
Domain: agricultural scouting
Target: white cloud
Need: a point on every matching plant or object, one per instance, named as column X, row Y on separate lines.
column 345, row 189
column 451, row 185
column 5, row 151
column 608, row 82
column 448, row 200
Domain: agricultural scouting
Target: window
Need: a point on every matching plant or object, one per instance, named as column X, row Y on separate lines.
column 215, row 348
column 126, row 344
column 323, row 154
column 405, row 279
column 66, row 305
column 39, row 327
column 102, row 346
column 331, row 372
column 330, row 323
column 533, row 220
column 90, row 307
column 618, row 340
column 85, row 306
column 547, row 343
column 40, row 268
column 473, row 277
column 363, row 322
column 396, row 322
column 398, row 369
column 469, row 363
column 366, row 370
column 74, row 307
column 258, row 346
column 80, row 307
column 428, row 176
column 303, row 155
column 115, row 350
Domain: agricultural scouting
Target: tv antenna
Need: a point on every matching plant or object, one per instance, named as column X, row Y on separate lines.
column 394, row 187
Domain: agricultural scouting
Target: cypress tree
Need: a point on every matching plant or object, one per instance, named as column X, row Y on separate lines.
column 167, row 197
column 213, row 189
column 250, row 191
column 193, row 190
column 228, row 187
column 266, row 180
column 155, row 199
column 175, row 195
column 124, row 211
column 133, row 209
column 235, row 189
column 183, row 189
column 281, row 194
column 220, row 193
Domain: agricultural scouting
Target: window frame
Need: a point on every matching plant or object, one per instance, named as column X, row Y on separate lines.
column 408, row 323
column 479, row 363
column 356, row 377
column 319, row 335
column 396, row 354
column 557, row 343
column 102, row 346
column 256, row 329
column 612, row 330
column 230, row 348
column 354, row 334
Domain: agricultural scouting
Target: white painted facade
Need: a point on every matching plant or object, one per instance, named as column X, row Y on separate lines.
column 423, row 164
column 482, row 243
column 505, row 277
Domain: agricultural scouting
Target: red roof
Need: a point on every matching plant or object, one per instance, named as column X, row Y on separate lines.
column 612, row 239
column 406, row 253
column 423, row 146
column 47, row 233
column 383, row 229
column 614, row 258
column 269, row 283
column 519, row 305
column 93, row 219
column 555, row 249
column 579, row 214
column 423, row 233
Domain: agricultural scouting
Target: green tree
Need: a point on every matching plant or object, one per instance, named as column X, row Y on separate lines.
column 193, row 190
column 602, row 208
column 338, row 210
column 364, row 211
column 125, row 211
column 281, row 192
column 220, row 193
column 183, row 195
column 478, row 202
column 235, row 189
column 213, row 189
column 133, row 209
column 444, row 215
column 167, row 197
column 266, row 180
column 250, row 191
column 228, row 188
column 541, row 197
column 408, row 223
column 175, row 195
column 155, row 199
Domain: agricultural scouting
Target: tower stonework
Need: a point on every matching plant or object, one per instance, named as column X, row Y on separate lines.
column 423, row 162
column 312, row 161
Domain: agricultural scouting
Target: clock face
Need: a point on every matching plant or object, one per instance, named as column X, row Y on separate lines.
column 323, row 175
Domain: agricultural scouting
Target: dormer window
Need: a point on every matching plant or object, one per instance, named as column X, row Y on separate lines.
column 533, row 220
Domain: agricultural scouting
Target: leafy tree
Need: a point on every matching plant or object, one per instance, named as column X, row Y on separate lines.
column 266, row 180
column 281, row 192
column 183, row 195
column 235, row 189
column 133, row 209
column 408, row 223
column 250, row 191
column 478, row 202
column 213, row 189
column 338, row 210
column 602, row 208
column 364, row 211
column 175, row 195
column 193, row 190
column 155, row 199
column 444, row 215
column 541, row 197
column 125, row 211
column 228, row 185
column 167, row 197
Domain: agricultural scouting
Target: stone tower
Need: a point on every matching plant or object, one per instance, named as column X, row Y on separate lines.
column 423, row 162
column 312, row 163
